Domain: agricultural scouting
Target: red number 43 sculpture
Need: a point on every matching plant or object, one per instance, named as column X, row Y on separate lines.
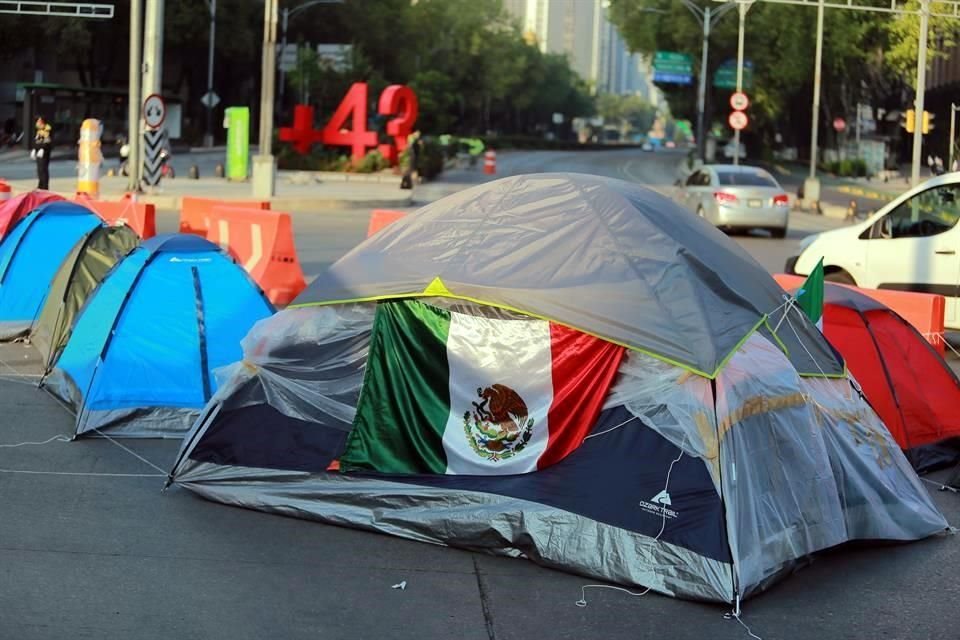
column 396, row 100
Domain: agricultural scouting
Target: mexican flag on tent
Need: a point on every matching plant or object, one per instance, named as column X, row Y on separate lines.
column 446, row 392
column 810, row 296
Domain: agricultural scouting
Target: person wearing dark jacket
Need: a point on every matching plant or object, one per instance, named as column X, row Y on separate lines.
column 42, row 148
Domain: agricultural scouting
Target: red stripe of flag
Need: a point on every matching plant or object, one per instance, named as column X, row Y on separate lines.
column 583, row 370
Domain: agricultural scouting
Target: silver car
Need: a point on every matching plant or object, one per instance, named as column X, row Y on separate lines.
column 737, row 197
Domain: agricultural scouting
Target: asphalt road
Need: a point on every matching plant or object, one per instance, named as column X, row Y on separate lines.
column 100, row 556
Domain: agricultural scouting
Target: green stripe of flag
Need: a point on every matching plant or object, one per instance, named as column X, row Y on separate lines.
column 810, row 297
column 403, row 410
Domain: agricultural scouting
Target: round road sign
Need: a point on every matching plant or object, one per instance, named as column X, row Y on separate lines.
column 154, row 111
column 738, row 120
column 739, row 101
column 839, row 124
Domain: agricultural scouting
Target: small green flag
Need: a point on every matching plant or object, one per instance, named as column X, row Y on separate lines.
column 810, row 295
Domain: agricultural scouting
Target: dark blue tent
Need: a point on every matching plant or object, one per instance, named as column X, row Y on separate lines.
column 140, row 357
column 30, row 256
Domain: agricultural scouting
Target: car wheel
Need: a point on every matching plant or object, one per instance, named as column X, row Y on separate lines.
column 779, row 232
column 840, row 277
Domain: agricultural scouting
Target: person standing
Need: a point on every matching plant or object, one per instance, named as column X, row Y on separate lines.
column 412, row 173
column 42, row 148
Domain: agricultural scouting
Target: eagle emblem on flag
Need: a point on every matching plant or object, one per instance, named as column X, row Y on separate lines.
column 499, row 426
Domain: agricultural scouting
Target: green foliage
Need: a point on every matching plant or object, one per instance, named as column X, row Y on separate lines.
column 868, row 57
column 430, row 162
column 319, row 159
column 466, row 59
column 631, row 114
column 371, row 163
column 904, row 43
column 847, row 168
column 308, row 75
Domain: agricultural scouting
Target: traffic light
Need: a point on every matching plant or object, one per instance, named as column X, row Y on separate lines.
column 927, row 122
column 910, row 120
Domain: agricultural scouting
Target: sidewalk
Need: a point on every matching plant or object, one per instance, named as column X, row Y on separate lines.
column 294, row 191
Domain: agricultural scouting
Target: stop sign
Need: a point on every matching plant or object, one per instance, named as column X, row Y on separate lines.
column 839, row 124
column 738, row 120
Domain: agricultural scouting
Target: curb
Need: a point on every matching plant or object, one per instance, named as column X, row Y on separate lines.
column 870, row 194
column 285, row 203
column 336, row 176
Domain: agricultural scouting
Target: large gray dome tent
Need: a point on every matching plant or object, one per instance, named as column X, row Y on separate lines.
column 720, row 441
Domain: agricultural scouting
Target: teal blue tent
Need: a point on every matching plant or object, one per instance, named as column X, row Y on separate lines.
column 31, row 255
column 141, row 356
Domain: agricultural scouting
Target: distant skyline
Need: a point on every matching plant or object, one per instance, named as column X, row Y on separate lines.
column 581, row 30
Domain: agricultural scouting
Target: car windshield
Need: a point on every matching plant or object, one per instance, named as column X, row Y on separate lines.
column 745, row 179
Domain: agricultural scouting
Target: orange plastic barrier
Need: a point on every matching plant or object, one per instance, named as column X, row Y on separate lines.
column 379, row 218
column 924, row 311
column 195, row 212
column 139, row 216
column 261, row 241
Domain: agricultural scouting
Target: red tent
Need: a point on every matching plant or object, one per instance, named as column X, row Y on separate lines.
column 902, row 376
column 15, row 208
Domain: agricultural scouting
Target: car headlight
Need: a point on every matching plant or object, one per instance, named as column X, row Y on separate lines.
column 807, row 241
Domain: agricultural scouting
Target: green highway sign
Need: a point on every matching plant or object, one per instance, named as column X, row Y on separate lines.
column 725, row 76
column 672, row 67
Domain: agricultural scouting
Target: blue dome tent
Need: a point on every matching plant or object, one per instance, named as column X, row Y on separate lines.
column 140, row 359
column 31, row 255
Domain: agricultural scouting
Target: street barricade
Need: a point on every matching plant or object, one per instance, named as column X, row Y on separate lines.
column 924, row 311
column 139, row 216
column 195, row 212
column 379, row 218
column 261, row 241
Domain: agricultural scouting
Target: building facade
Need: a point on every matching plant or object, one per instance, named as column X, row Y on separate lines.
column 581, row 30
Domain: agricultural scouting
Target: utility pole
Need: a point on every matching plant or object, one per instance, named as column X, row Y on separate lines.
column 953, row 145
column 133, row 96
column 283, row 53
column 153, row 48
column 744, row 6
column 702, row 88
column 921, row 89
column 152, row 62
column 208, row 138
column 858, row 130
column 926, row 9
column 706, row 18
column 811, row 186
column 264, row 167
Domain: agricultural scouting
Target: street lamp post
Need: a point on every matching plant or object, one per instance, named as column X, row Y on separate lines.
column 953, row 127
column 706, row 18
column 921, row 88
column 133, row 95
column 744, row 6
column 208, row 138
column 264, row 167
column 811, row 186
column 284, row 21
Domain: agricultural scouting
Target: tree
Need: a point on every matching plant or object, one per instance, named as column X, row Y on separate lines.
column 866, row 57
column 632, row 114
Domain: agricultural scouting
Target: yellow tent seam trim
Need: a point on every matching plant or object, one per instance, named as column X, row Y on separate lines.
column 449, row 294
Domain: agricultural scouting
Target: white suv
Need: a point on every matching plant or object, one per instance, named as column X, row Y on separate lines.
column 911, row 244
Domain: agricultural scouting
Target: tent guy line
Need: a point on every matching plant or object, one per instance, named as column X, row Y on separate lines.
column 582, row 602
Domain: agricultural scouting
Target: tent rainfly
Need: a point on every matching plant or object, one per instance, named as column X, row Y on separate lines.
column 566, row 368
